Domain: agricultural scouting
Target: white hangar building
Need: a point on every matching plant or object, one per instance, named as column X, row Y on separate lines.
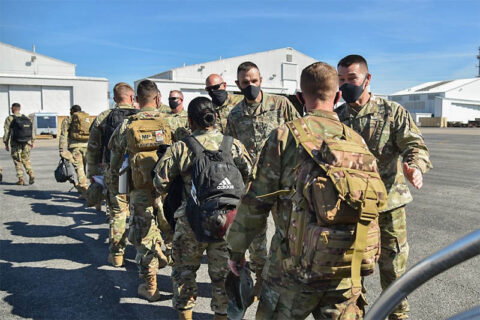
column 280, row 70
column 44, row 84
column 457, row 100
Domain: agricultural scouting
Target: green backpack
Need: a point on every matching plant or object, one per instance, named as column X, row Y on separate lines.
column 333, row 231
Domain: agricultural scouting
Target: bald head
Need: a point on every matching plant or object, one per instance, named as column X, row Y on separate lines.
column 213, row 79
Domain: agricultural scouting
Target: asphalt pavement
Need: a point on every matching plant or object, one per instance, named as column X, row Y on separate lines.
column 53, row 250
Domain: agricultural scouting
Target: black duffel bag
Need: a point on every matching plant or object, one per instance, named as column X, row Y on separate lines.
column 65, row 171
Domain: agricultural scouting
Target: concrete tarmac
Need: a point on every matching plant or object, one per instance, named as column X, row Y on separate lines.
column 53, row 250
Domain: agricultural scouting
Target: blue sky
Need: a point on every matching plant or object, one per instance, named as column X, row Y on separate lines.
column 405, row 42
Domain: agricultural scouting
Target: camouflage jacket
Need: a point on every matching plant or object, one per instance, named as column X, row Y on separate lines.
column 224, row 110
column 392, row 137
column 177, row 160
column 164, row 109
column 275, row 172
column 178, row 123
column 251, row 124
column 6, row 130
column 64, row 141
column 96, row 149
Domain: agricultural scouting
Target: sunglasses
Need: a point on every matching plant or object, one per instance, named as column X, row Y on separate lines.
column 174, row 98
column 214, row 87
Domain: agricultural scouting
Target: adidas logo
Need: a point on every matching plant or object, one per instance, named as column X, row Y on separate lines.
column 225, row 184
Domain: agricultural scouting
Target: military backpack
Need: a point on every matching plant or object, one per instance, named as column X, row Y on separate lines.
column 145, row 133
column 21, row 129
column 80, row 126
column 333, row 231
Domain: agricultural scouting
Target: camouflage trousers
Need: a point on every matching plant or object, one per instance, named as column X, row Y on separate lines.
column 258, row 252
column 143, row 232
column 394, row 253
column 117, row 205
column 282, row 303
column 21, row 158
column 79, row 162
column 187, row 257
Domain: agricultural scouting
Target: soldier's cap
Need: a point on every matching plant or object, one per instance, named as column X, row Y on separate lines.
column 239, row 292
column 94, row 194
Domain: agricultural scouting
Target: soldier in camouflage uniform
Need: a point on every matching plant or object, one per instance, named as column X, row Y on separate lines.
column 176, row 116
column 74, row 151
column 222, row 100
column 187, row 251
column 143, row 231
column 393, row 137
column 163, row 108
column 20, row 151
column 251, row 122
column 117, row 204
column 283, row 296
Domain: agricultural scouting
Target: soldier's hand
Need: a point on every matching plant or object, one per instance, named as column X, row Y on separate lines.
column 233, row 266
column 413, row 175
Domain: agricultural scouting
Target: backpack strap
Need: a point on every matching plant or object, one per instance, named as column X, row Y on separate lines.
column 304, row 136
column 226, row 145
column 193, row 144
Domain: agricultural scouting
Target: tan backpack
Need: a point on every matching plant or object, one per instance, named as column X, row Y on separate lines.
column 333, row 231
column 145, row 133
column 80, row 126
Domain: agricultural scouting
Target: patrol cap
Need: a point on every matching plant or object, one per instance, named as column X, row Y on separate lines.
column 239, row 292
column 94, row 194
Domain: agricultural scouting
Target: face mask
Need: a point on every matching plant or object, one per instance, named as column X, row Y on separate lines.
column 218, row 96
column 251, row 92
column 351, row 92
column 173, row 104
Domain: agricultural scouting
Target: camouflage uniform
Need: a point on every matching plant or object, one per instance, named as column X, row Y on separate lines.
column 187, row 251
column 143, row 231
column 164, row 108
column 78, row 150
column 20, row 151
column 117, row 204
column 392, row 137
column 224, row 110
column 283, row 296
column 252, row 124
column 178, row 123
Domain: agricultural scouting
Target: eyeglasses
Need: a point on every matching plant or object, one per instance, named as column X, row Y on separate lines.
column 214, row 87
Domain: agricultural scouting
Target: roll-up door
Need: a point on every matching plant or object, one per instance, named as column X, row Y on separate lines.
column 29, row 97
column 57, row 99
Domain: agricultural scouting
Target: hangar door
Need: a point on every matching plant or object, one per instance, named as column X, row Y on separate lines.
column 29, row 97
column 56, row 99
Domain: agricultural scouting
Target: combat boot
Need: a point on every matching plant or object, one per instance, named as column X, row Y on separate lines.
column 185, row 314
column 219, row 316
column 31, row 178
column 115, row 260
column 98, row 206
column 148, row 290
column 20, row 181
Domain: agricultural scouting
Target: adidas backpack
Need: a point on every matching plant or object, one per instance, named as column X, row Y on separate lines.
column 111, row 122
column 80, row 126
column 21, row 129
column 217, row 187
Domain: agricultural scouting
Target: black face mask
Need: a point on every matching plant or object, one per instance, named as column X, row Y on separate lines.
column 218, row 96
column 351, row 92
column 173, row 104
column 251, row 92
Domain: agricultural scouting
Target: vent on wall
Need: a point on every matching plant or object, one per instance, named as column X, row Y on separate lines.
column 289, row 57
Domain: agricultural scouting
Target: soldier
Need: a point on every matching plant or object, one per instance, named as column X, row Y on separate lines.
column 286, row 295
column 251, row 121
column 187, row 250
column 72, row 144
column 139, row 136
column 18, row 136
column 393, row 137
column 163, row 108
column 222, row 100
column 98, row 159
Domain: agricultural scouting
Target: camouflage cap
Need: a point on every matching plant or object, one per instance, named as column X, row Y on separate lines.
column 239, row 292
column 94, row 194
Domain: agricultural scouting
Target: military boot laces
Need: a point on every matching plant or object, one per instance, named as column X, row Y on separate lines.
column 20, row 181
column 115, row 260
column 31, row 179
column 148, row 290
column 185, row 314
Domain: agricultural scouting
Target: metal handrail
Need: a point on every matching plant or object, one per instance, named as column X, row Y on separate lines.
column 459, row 251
